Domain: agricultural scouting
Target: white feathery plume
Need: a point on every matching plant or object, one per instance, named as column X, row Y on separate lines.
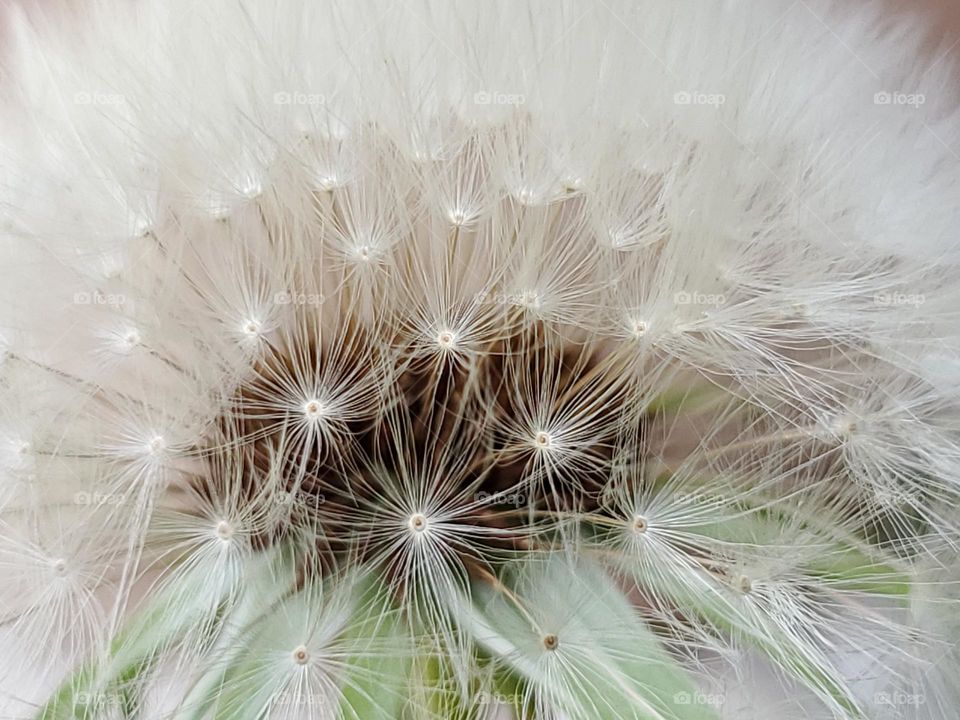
column 477, row 360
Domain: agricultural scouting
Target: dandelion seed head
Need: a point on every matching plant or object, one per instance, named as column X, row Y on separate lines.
column 142, row 226
column 527, row 196
column 59, row 567
column 250, row 187
column 329, row 181
column 457, row 216
column 363, row 253
column 300, row 655
column 638, row 328
column 366, row 373
column 15, row 453
column 418, row 523
column 224, row 531
column 156, row 445
column 127, row 341
column 543, row 440
column 842, row 426
column 446, row 339
column 314, row 410
column 251, row 328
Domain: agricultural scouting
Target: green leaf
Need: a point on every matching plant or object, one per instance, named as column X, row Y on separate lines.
column 267, row 581
column 698, row 594
column 606, row 663
column 188, row 608
column 380, row 668
column 358, row 662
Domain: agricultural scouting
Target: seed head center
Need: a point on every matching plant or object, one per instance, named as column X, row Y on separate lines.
column 418, row 522
column 543, row 440
column 640, row 524
column 224, row 530
column 446, row 339
column 313, row 409
column 129, row 340
column 301, row 656
column 638, row 328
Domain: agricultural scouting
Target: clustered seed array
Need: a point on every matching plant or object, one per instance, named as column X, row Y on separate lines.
column 510, row 360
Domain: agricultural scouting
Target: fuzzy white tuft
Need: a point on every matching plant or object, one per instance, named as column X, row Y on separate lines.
column 457, row 359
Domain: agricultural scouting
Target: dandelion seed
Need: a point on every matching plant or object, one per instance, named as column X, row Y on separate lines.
column 638, row 328
column 250, row 187
column 156, row 445
column 313, row 410
column 640, row 524
column 224, row 531
column 59, row 567
column 446, row 340
column 127, row 341
column 394, row 379
column 301, row 656
column 328, row 182
column 15, row 454
column 418, row 523
column 251, row 328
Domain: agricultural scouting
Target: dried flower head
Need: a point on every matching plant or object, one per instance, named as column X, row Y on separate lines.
column 446, row 359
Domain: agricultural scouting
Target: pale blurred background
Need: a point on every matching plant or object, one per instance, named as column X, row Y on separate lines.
column 945, row 14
